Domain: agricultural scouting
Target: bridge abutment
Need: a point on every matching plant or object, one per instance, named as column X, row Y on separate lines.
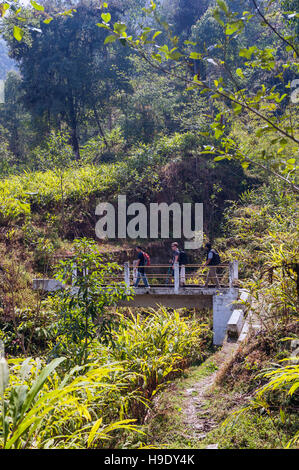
column 223, row 307
column 177, row 295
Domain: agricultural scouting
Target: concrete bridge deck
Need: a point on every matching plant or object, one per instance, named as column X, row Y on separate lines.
column 222, row 300
column 185, row 297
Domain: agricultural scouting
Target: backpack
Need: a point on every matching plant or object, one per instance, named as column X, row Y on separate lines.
column 216, row 258
column 146, row 259
column 183, row 258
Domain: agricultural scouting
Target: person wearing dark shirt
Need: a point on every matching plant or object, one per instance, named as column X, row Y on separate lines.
column 140, row 263
column 212, row 273
column 174, row 259
column 175, row 254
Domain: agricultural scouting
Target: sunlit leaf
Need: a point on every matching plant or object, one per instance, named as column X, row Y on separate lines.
column 37, row 6
column 18, row 33
column 106, row 17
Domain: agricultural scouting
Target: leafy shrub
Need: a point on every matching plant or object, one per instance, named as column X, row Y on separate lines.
column 80, row 305
column 42, row 410
column 158, row 345
column 46, row 408
column 277, row 398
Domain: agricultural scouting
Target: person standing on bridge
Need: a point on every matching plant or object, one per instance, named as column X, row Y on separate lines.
column 213, row 259
column 175, row 254
column 179, row 257
column 140, row 263
column 174, row 259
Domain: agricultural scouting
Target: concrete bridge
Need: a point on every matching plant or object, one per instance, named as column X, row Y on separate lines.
column 182, row 289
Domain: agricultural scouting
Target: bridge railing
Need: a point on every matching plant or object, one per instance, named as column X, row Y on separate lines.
column 189, row 275
column 162, row 275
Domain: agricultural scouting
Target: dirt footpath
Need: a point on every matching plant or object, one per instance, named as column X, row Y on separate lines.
column 197, row 419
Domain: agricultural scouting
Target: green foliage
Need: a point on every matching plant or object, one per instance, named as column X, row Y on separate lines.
column 76, row 90
column 42, row 410
column 227, row 114
column 6, row 157
column 232, row 97
column 105, row 149
column 183, row 14
column 80, row 304
column 6, row 63
column 44, row 407
column 158, row 345
column 17, row 122
column 276, row 398
column 43, row 188
column 59, row 156
column 24, row 324
column 263, row 227
column 170, row 165
column 264, row 231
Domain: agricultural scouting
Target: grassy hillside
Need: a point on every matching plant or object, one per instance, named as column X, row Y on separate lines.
column 112, row 100
column 56, row 206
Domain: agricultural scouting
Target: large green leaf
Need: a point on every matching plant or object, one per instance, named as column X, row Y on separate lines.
column 38, row 384
column 3, row 8
column 232, row 28
column 110, row 39
column 18, row 33
column 4, row 376
column 106, row 17
column 37, row 6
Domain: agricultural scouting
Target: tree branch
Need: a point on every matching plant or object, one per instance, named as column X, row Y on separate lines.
column 213, row 90
column 273, row 29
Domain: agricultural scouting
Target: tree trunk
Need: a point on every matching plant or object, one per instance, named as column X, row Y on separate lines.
column 75, row 143
column 95, row 112
column 73, row 124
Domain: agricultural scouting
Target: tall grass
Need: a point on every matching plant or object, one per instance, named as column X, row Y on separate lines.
column 42, row 410
column 19, row 192
column 100, row 403
column 156, row 347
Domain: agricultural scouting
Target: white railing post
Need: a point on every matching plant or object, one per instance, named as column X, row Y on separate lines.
column 74, row 273
column 85, row 271
column 233, row 272
column 134, row 271
column 231, row 276
column 183, row 275
column 127, row 274
column 176, row 278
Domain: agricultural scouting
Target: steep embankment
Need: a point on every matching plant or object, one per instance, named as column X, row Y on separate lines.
column 41, row 212
column 192, row 411
column 197, row 410
column 181, row 417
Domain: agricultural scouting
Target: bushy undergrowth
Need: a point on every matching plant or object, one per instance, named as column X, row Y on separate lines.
column 262, row 226
column 170, row 169
column 20, row 194
column 254, row 402
column 44, row 408
column 90, row 405
column 263, row 231
column 159, row 345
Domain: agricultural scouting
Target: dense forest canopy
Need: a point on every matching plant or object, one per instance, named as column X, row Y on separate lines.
column 6, row 63
column 118, row 84
column 81, row 86
column 185, row 101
